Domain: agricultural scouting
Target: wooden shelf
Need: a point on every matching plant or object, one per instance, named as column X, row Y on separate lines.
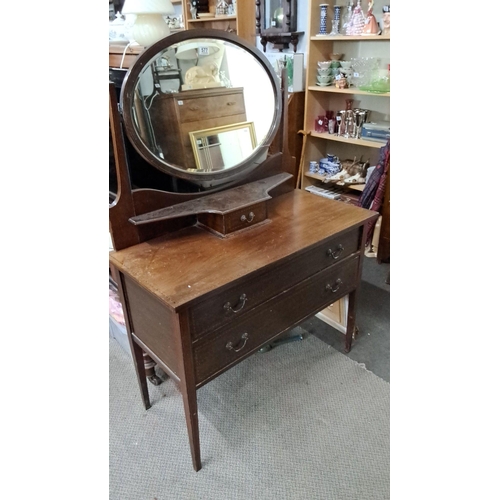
column 355, row 142
column 119, row 48
column 211, row 19
column 345, row 38
column 318, row 177
column 242, row 23
column 350, row 90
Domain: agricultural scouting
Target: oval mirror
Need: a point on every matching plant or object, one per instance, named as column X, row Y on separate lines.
column 202, row 105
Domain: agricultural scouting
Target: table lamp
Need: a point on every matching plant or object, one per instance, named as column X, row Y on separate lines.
column 149, row 26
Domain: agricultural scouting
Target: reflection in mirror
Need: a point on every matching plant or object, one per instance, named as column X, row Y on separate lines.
column 198, row 84
column 218, row 148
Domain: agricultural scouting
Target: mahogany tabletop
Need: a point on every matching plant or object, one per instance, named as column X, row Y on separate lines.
column 183, row 266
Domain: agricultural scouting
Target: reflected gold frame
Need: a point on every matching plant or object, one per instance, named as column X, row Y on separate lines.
column 198, row 134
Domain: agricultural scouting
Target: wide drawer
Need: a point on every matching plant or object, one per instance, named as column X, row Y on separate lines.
column 237, row 340
column 236, row 300
column 201, row 108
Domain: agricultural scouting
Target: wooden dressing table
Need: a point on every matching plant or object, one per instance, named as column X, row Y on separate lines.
column 198, row 302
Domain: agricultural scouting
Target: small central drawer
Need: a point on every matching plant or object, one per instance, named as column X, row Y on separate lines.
column 256, row 289
column 241, row 337
column 239, row 219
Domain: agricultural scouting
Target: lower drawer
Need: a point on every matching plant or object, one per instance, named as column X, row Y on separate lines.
column 234, row 342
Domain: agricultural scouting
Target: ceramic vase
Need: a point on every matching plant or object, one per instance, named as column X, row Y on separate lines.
column 322, row 19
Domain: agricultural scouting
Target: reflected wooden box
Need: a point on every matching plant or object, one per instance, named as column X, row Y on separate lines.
column 190, row 111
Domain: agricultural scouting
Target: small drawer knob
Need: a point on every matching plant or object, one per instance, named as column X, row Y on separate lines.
column 249, row 219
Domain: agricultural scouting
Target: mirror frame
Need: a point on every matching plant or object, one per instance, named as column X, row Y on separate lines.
column 207, row 179
column 198, row 134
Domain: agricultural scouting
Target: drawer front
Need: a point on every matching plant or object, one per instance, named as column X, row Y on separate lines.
column 201, row 108
column 239, row 299
column 233, row 343
column 239, row 219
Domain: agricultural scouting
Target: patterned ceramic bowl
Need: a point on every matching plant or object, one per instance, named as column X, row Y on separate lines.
column 324, row 64
column 324, row 79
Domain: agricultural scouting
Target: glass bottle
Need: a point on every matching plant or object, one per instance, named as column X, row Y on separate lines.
column 346, row 18
column 336, row 20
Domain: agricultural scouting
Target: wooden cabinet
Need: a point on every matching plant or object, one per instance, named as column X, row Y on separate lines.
column 197, row 332
column 193, row 110
column 198, row 303
column 242, row 23
column 319, row 99
column 122, row 55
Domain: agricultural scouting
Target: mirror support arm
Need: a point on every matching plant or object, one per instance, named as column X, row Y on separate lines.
column 123, row 235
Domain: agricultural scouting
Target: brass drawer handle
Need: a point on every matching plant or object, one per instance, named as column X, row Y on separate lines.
column 335, row 254
column 243, row 299
column 250, row 217
column 194, row 108
column 231, row 103
column 336, row 289
column 244, row 338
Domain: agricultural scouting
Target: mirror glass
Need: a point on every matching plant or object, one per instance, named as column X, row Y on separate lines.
column 218, row 148
column 201, row 108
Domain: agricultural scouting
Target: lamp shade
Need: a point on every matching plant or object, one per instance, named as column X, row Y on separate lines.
column 149, row 26
column 163, row 7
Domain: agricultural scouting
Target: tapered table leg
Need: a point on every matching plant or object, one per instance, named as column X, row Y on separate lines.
column 137, row 352
column 351, row 316
column 138, row 355
column 191, row 413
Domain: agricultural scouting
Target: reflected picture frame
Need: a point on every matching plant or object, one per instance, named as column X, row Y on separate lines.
column 207, row 149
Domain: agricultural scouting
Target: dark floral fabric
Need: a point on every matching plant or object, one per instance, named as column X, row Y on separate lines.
column 373, row 193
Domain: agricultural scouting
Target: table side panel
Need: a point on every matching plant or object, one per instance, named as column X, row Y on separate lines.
column 154, row 324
